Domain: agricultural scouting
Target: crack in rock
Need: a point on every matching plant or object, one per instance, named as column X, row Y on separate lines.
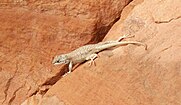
column 167, row 21
column 14, row 94
column 8, row 85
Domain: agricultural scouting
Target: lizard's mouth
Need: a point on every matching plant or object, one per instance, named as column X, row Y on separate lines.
column 59, row 62
column 56, row 62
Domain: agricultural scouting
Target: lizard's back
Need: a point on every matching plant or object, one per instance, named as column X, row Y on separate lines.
column 79, row 55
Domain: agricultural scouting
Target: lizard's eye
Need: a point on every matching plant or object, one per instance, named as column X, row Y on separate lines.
column 57, row 61
column 60, row 59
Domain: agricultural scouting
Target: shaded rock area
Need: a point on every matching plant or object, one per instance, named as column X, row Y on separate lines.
column 130, row 75
column 33, row 32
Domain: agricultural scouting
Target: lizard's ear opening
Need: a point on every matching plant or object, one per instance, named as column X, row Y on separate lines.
column 63, row 59
column 66, row 61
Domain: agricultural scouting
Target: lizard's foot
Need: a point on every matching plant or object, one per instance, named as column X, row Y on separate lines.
column 91, row 58
column 65, row 74
column 125, row 36
column 91, row 62
column 68, row 72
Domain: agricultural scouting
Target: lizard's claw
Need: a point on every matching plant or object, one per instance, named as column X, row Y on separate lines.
column 92, row 62
column 91, row 58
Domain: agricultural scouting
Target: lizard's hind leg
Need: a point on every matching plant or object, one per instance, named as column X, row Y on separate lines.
column 91, row 58
column 125, row 36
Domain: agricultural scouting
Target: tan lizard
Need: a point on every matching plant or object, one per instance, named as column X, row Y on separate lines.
column 89, row 52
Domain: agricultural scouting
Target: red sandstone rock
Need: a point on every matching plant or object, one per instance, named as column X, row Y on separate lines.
column 40, row 100
column 131, row 75
column 32, row 32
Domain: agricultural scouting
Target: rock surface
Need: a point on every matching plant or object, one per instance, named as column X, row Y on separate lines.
column 40, row 100
column 129, row 75
column 32, row 32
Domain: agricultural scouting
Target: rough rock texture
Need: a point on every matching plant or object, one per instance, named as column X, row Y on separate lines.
column 97, row 15
column 40, row 100
column 130, row 75
column 32, row 32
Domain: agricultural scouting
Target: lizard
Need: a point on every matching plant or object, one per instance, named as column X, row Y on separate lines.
column 89, row 52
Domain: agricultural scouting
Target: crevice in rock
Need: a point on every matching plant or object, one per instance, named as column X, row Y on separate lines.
column 100, row 32
column 7, row 87
column 167, row 21
column 42, row 89
column 34, row 93
column 164, row 49
column 14, row 95
column 54, row 79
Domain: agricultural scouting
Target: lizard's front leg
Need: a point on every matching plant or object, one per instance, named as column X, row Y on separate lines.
column 70, row 67
column 91, row 58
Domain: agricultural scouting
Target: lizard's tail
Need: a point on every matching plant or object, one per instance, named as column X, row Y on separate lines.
column 133, row 42
column 121, row 43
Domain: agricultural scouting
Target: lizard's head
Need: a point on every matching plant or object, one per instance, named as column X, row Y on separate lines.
column 60, row 60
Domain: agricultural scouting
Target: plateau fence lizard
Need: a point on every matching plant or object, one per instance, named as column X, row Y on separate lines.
column 89, row 52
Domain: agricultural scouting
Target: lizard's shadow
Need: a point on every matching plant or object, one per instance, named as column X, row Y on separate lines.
column 77, row 65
